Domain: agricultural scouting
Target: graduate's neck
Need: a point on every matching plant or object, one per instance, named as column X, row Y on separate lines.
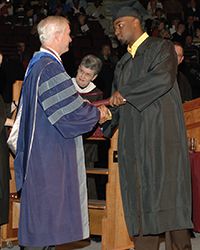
column 136, row 36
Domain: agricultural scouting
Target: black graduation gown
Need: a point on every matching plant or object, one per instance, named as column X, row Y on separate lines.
column 4, row 168
column 152, row 148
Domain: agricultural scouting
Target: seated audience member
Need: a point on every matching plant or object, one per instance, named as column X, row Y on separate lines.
column 88, row 70
column 173, row 8
column 105, row 77
column 152, row 6
column 23, row 54
column 189, row 45
column 191, row 69
column 160, row 14
column 19, row 61
column 75, row 7
column 95, row 152
column 174, row 25
column 11, row 69
column 157, row 27
column 60, row 9
column 179, row 35
column 80, row 26
column 190, row 26
column 193, row 9
column 6, row 8
column 183, row 83
column 196, row 38
column 165, row 34
column 97, row 11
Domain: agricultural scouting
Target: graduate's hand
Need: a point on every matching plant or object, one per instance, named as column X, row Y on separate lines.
column 117, row 99
column 105, row 114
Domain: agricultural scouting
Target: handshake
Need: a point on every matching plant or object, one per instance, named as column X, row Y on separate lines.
column 115, row 100
column 105, row 114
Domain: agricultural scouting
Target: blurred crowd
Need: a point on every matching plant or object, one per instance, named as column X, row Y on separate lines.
column 92, row 31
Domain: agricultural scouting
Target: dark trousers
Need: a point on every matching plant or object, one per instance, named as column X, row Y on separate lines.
column 174, row 240
column 39, row 248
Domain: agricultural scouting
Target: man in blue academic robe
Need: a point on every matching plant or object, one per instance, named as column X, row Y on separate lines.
column 49, row 163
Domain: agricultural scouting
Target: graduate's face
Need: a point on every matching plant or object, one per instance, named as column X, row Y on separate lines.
column 84, row 76
column 124, row 29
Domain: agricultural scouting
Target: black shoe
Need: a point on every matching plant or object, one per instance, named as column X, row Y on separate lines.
column 96, row 238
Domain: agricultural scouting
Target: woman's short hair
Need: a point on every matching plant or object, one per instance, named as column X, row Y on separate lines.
column 92, row 62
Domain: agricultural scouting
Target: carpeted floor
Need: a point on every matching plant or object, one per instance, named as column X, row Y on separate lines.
column 86, row 245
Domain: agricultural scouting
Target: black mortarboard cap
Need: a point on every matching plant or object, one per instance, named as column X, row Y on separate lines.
column 129, row 8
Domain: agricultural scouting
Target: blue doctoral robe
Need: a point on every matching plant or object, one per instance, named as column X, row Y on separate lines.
column 49, row 163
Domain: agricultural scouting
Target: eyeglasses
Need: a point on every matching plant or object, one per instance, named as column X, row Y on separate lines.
column 86, row 74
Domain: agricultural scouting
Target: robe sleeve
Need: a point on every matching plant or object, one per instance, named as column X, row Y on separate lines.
column 110, row 126
column 157, row 81
column 63, row 106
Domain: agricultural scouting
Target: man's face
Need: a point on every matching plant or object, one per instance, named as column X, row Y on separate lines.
column 1, row 59
column 65, row 39
column 181, row 28
column 106, row 51
column 190, row 20
column 84, row 76
column 20, row 47
column 124, row 29
column 179, row 52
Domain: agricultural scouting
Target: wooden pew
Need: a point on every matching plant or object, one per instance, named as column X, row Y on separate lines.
column 107, row 217
column 192, row 120
column 114, row 231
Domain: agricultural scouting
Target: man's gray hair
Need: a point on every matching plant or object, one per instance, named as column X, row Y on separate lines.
column 49, row 26
column 92, row 62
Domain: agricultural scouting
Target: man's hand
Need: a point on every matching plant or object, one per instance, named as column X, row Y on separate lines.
column 86, row 100
column 117, row 99
column 105, row 114
column 9, row 122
